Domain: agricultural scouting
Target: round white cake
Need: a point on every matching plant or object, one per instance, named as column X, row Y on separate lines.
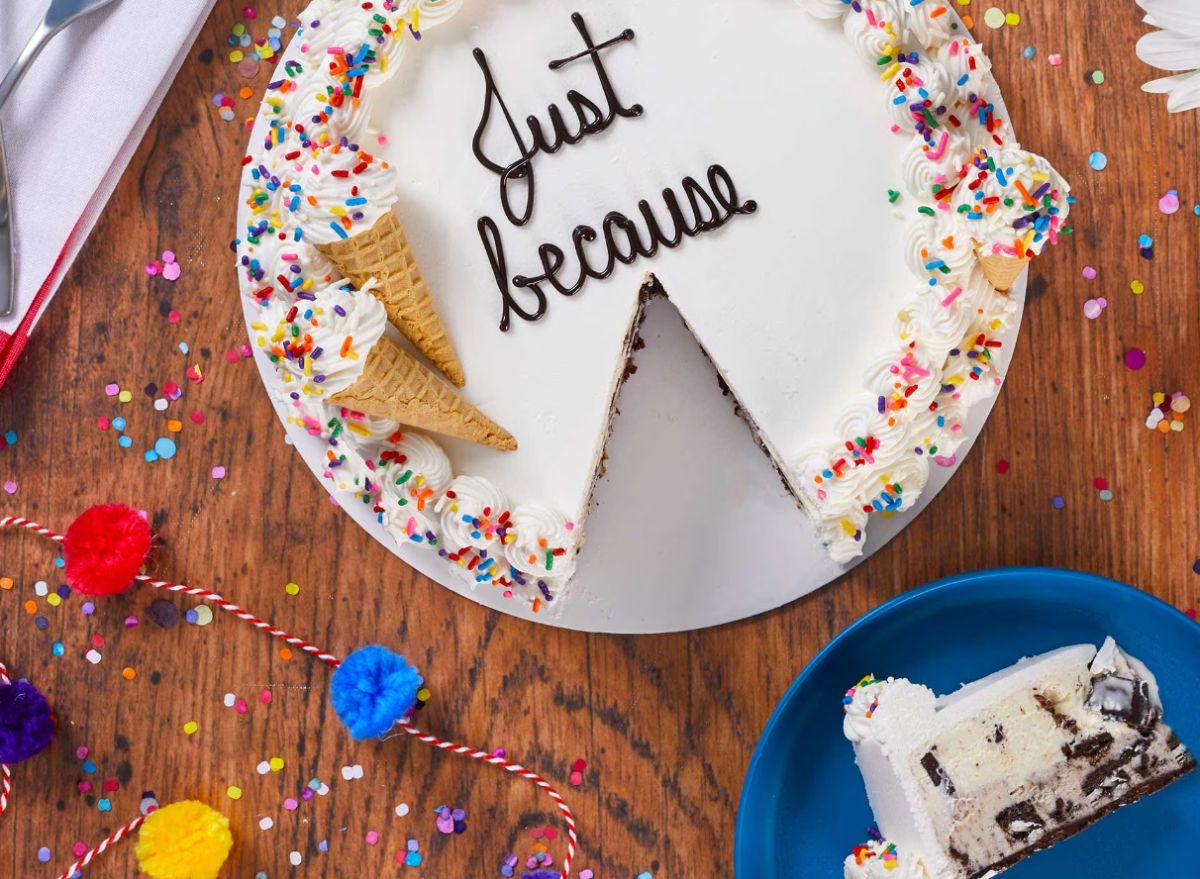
column 830, row 200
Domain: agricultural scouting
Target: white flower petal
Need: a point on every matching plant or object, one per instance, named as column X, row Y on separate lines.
column 1174, row 15
column 1165, row 85
column 1185, row 95
column 1169, row 51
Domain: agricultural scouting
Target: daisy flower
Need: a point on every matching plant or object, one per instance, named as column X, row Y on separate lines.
column 1175, row 47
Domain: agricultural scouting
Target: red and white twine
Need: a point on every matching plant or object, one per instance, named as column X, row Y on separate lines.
column 330, row 660
column 112, row 839
column 5, row 772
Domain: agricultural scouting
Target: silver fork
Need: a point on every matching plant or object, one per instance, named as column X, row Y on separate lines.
column 60, row 14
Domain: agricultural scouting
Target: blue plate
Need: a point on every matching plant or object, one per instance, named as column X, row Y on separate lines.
column 803, row 805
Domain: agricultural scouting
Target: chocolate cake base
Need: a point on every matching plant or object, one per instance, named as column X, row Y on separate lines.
column 1066, row 831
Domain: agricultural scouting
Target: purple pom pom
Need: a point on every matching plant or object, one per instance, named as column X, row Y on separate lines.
column 542, row 874
column 26, row 724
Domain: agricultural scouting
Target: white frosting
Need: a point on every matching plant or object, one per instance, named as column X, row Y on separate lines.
column 413, row 474
column 320, row 170
column 880, row 859
column 319, row 345
column 860, row 704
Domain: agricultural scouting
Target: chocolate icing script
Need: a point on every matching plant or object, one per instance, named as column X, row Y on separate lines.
column 624, row 240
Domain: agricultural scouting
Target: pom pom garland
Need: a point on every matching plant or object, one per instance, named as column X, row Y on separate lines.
column 186, row 840
column 375, row 691
column 105, row 548
column 372, row 690
column 26, row 722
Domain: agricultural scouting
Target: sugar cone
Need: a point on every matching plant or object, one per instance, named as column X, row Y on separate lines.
column 396, row 385
column 383, row 253
column 1002, row 271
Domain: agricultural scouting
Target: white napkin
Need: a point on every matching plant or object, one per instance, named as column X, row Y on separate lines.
column 71, row 127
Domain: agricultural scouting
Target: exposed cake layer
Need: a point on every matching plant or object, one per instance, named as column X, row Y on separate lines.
column 975, row 781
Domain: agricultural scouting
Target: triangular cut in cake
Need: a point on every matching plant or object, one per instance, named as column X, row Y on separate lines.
column 966, row 785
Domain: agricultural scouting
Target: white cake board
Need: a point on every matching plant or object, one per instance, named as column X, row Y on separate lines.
column 732, row 545
column 729, row 543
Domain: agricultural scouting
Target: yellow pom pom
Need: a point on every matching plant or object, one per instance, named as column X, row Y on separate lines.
column 186, row 840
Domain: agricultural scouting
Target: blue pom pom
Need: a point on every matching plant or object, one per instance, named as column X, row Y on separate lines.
column 26, row 722
column 372, row 689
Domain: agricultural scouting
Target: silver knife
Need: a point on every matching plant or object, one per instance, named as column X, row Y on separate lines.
column 8, row 278
column 60, row 14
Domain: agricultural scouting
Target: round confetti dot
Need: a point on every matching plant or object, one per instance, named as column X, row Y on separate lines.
column 1180, row 403
column 129, row 673
column 1029, row 52
column 1097, row 161
column 1058, row 502
column 1135, row 358
column 1012, row 19
column 994, row 18
column 233, row 792
column 1106, row 495
column 1097, row 77
column 372, row 837
column 1169, row 203
column 6, row 583
column 218, row 473
column 125, row 396
column 402, row 809
column 295, row 859
column 43, row 855
column 265, row 823
column 191, row 727
column 204, row 615
column 1137, row 287
column 1054, row 60
column 276, row 764
column 1092, row 309
column 165, row 448
column 292, row 589
column 1089, row 273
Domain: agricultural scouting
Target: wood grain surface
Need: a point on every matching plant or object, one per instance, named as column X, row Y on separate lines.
column 667, row 724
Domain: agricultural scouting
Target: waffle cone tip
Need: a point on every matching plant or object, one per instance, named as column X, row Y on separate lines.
column 397, row 386
column 383, row 253
column 1002, row 271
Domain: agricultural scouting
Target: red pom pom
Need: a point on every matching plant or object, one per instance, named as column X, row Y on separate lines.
column 105, row 548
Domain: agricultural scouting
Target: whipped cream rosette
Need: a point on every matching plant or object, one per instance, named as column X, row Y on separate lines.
column 1013, row 202
column 413, row 473
column 331, row 345
column 880, row 859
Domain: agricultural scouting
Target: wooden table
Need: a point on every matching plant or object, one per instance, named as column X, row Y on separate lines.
column 667, row 724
